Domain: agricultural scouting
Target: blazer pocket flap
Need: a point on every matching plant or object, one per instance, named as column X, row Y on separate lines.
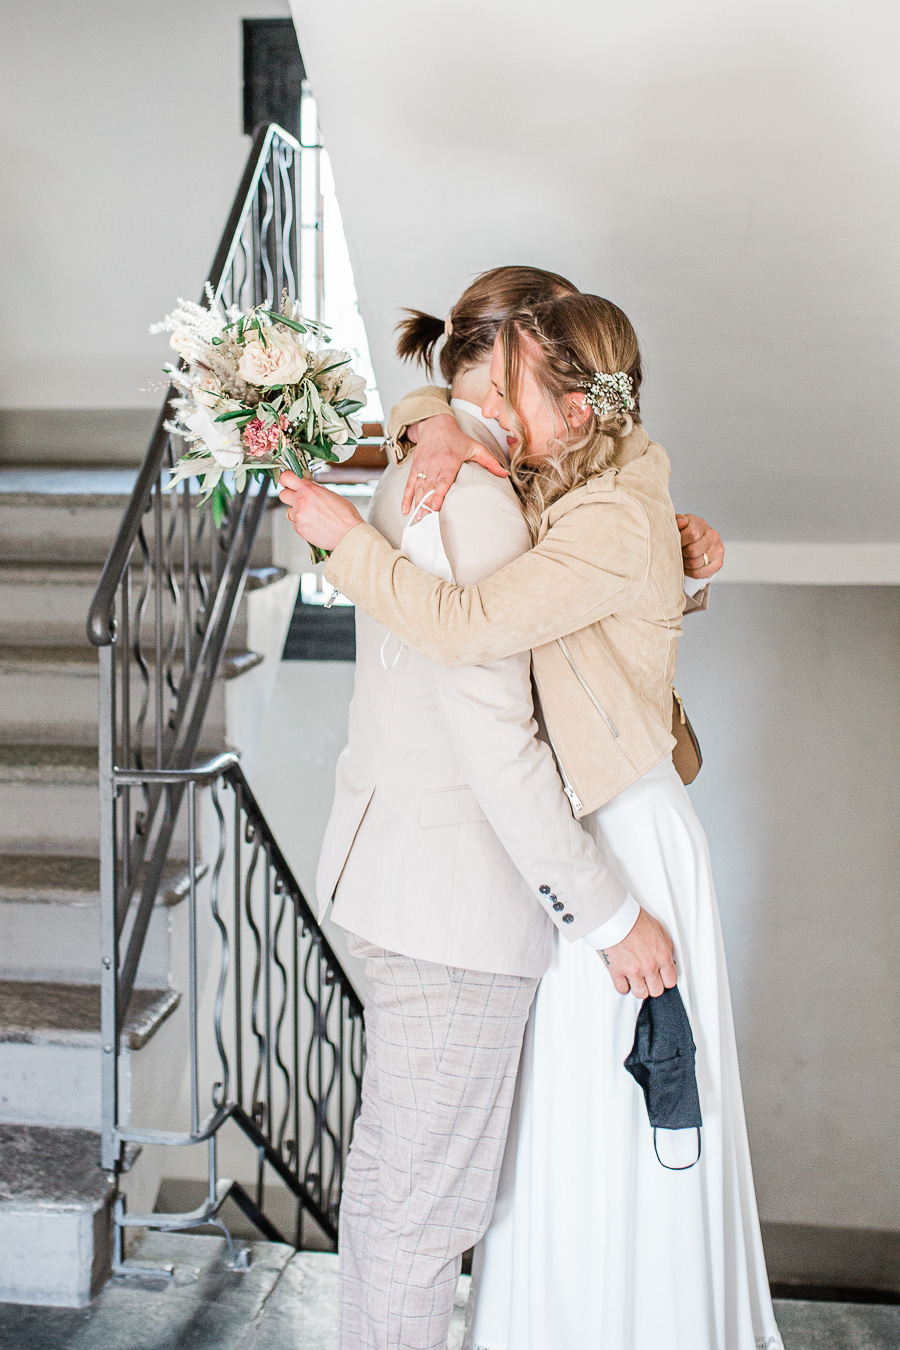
column 450, row 806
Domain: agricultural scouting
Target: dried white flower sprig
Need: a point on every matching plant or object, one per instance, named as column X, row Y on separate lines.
column 260, row 391
column 610, row 393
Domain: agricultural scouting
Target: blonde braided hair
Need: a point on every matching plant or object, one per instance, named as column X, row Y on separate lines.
column 565, row 343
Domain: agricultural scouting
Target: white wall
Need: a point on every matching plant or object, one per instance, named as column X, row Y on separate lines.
column 728, row 173
column 121, row 146
column 794, row 693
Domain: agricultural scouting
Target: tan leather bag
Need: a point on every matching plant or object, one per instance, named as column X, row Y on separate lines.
column 687, row 755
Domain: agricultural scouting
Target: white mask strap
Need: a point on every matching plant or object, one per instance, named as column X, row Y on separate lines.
column 383, row 653
column 417, row 520
column 423, row 506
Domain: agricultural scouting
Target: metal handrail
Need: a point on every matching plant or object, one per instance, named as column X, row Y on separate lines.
column 162, row 617
column 322, row 1045
column 100, row 622
column 228, row 766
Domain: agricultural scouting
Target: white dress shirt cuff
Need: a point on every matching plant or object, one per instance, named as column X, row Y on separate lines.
column 617, row 928
column 693, row 585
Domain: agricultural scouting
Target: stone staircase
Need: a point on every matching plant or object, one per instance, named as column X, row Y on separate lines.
column 59, row 511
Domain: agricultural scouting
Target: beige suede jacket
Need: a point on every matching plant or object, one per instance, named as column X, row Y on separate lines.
column 433, row 400
column 599, row 601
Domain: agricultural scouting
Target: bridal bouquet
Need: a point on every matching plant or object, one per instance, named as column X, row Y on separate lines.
column 260, row 391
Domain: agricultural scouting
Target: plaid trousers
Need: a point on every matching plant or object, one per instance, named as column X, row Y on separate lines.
column 443, row 1048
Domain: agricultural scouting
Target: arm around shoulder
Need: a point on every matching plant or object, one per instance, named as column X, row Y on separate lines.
column 586, row 567
column 429, row 401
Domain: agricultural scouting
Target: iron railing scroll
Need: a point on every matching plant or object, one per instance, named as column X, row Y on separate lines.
column 286, row 1020
column 161, row 618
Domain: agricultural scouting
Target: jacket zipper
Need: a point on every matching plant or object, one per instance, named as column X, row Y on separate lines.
column 587, row 688
column 576, row 803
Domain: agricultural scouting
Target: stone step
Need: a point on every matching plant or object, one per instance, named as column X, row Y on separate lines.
column 51, row 694
column 76, row 437
column 50, row 1049
column 43, row 1012
column 50, row 920
column 73, row 514
column 65, row 880
column 49, row 799
column 54, row 1217
column 46, row 604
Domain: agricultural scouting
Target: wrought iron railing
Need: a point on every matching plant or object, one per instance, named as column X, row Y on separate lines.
column 161, row 618
column 287, row 1023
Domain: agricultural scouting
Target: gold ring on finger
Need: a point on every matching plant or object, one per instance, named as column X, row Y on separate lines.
column 706, row 560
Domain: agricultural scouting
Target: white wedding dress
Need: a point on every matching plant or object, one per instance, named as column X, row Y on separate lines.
column 594, row 1245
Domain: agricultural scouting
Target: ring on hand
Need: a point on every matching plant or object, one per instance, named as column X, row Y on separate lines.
column 706, row 560
column 421, row 475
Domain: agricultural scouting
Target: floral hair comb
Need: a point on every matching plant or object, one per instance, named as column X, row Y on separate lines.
column 609, row 393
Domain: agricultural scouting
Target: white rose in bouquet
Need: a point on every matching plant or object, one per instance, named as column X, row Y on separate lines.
column 351, row 386
column 222, row 439
column 280, row 361
column 185, row 344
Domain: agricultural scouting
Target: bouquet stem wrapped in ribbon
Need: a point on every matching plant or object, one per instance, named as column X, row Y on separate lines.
column 259, row 392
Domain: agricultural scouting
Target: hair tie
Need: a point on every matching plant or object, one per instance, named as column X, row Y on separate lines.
column 448, row 326
column 609, row 393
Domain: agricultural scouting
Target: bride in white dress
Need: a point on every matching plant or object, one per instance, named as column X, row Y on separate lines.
column 594, row 1245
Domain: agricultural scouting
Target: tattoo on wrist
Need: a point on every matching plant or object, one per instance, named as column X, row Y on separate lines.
column 605, row 957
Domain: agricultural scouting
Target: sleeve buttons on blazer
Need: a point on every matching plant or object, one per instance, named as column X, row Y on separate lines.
column 544, row 890
column 568, row 918
column 558, row 905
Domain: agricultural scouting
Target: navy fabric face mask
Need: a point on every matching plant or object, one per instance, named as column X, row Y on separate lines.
column 662, row 1063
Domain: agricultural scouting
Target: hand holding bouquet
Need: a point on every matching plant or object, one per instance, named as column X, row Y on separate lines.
column 260, row 392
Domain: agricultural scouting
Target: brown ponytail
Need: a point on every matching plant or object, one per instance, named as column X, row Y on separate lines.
column 476, row 317
column 419, row 335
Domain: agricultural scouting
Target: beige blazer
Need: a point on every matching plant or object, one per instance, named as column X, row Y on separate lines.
column 450, row 838
column 599, row 601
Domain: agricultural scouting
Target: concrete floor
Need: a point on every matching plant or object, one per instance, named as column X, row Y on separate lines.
column 287, row 1301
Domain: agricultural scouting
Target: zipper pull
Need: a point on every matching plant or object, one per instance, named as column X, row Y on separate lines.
column 573, row 797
